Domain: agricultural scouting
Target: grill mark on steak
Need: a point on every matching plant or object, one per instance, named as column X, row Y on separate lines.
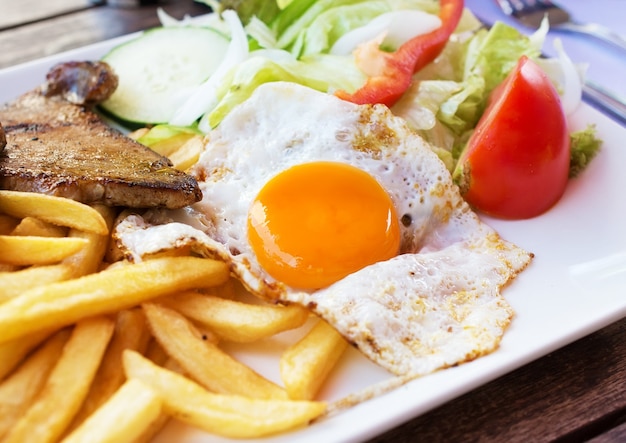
column 59, row 148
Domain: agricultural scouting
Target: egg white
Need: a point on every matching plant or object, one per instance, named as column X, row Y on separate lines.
column 436, row 304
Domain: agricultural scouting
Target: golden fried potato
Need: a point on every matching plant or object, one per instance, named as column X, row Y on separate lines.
column 18, row 391
column 226, row 415
column 89, row 259
column 171, row 144
column 202, row 360
column 56, row 210
column 305, row 366
column 131, row 332
column 187, row 154
column 13, row 351
column 60, row 398
column 14, row 283
column 124, row 417
column 31, row 226
column 25, row 251
column 8, row 224
column 61, row 304
column 236, row 321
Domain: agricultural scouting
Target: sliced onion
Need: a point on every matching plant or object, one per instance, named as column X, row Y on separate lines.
column 539, row 36
column 204, row 97
column 567, row 77
column 210, row 19
column 397, row 26
column 167, row 20
column 572, row 82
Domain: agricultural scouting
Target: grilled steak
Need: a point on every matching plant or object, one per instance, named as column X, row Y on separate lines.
column 81, row 82
column 63, row 149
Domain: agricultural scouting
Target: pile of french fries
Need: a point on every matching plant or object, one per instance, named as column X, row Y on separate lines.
column 97, row 349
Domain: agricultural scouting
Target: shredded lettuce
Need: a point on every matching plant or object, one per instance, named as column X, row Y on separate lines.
column 264, row 10
column 498, row 53
column 317, row 72
column 292, row 40
column 260, row 34
column 584, row 145
column 391, row 28
column 477, row 62
column 331, row 25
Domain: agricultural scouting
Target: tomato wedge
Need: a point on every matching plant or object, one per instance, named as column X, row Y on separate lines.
column 516, row 163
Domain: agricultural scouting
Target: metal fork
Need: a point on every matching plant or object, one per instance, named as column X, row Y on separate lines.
column 531, row 12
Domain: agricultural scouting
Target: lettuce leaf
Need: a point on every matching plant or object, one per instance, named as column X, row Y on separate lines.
column 264, row 10
column 165, row 139
column 291, row 22
column 584, row 145
column 318, row 71
column 326, row 29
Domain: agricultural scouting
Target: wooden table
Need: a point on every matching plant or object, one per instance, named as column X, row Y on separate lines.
column 577, row 393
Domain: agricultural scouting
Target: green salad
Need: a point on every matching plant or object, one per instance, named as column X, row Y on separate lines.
column 187, row 75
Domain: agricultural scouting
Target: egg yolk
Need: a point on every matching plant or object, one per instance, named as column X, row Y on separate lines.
column 315, row 223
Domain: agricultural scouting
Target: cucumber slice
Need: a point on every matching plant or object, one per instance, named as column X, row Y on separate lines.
column 158, row 68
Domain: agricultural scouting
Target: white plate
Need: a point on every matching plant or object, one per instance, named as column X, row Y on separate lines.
column 574, row 286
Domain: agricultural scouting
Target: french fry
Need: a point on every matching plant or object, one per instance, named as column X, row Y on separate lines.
column 18, row 390
column 306, row 364
column 131, row 332
column 114, row 253
column 227, row 415
column 66, row 387
column 153, row 429
column 13, row 351
column 14, row 283
column 236, row 321
column 31, row 226
column 5, row 267
column 202, row 360
column 123, row 418
column 7, row 224
column 89, row 259
column 56, row 210
column 187, row 154
column 61, row 304
column 169, row 145
column 24, row 251
column 137, row 133
column 156, row 353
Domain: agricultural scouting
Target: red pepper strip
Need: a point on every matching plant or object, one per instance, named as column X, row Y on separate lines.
column 397, row 68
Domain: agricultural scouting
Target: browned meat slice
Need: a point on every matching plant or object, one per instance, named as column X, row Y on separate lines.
column 58, row 148
column 81, row 82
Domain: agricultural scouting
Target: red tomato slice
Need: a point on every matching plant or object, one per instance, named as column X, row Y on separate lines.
column 516, row 163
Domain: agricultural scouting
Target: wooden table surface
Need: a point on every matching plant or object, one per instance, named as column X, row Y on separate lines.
column 577, row 393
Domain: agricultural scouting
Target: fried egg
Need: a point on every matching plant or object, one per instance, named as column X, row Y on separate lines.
column 343, row 209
